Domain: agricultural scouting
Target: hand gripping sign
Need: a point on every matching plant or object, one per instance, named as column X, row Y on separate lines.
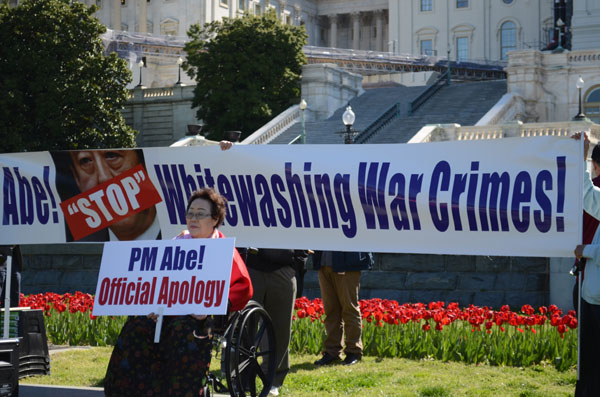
column 175, row 277
column 126, row 194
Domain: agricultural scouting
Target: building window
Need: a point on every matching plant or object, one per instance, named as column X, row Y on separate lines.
column 426, row 5
column 462, row 3
column 462, row 48
column 374, row 32
column 99, row 3
column 224, row 3
column 591, row 106
column 124, row 3
column 426, row 47
column 257, row 9
column 169, row 27
column 507, row 1
column 288, row 19
column 508, row 38
column 241, row 4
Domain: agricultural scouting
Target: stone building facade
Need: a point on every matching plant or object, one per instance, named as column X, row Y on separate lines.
column 471, row 29
column 481, row 30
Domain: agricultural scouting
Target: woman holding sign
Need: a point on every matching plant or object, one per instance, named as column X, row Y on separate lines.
column 177, row 365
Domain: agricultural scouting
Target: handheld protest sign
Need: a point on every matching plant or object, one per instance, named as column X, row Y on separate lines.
column 159, row 322
column 185, row 276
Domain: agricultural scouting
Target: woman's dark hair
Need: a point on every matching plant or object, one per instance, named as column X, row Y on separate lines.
column 218, row 209
column 596, row 154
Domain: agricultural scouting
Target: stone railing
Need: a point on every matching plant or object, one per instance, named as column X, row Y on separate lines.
column 275, row 127
column 158, row 92
column 580, row 56
column 176, row 93
column 161, row 115
column 510, row 107
column 455, row 132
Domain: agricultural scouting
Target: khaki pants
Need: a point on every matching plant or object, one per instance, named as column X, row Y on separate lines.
column 276, row 292
column 342, row 312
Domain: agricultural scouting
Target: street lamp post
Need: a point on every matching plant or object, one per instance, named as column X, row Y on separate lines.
column 348, row 118
column 303, row 106
column 179, row 63
column 448, row 81
column 141, row 65
column 579, row 85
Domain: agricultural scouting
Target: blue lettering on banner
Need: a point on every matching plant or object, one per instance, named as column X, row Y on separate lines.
column 25, row 199
column 560, row 199
column 246, row 199
column 267, row 210
column 477, row 200
column 146, row 258
column 372, row 194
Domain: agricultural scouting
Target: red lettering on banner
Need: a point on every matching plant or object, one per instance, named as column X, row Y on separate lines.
column 126, row 194
column 125, row 292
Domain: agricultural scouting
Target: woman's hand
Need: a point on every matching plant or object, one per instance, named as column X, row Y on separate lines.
column 586, row 142
column 579, row 251
column 153, row 316
column 225, row 145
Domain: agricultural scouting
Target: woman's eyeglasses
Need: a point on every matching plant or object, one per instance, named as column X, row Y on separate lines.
column 197, row 215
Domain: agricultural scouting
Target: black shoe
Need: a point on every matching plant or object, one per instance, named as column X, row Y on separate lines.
column 351, row 359
column 326, row 359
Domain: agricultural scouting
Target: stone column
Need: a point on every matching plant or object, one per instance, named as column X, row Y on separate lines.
column 297, row 15
column 116, row 15
column 282, row 5
column 355, row 30
column 333, row 19
column 379, row 29
column 142, row 16
column 316, row 30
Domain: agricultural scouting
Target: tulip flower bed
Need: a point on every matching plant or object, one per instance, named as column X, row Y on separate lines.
column 69, row 319
column 448, row 333
column 436, row 330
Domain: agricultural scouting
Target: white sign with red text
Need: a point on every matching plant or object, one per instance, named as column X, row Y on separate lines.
column 184, row 276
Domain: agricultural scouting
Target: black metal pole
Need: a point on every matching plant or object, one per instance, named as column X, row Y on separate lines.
column 140, row 83
column 580, row 115
column 448, row 71
column 179, row 76
column 348, row 134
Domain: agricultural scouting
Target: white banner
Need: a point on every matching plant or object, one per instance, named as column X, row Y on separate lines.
column 184, row 276
column 492, row 197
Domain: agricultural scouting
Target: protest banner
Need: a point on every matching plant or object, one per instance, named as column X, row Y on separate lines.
column 173, row 277
column 516, row 196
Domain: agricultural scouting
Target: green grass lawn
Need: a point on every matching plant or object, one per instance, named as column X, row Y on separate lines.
column 371, row 377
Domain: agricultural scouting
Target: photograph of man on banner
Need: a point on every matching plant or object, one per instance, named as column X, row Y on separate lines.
column 81, row 170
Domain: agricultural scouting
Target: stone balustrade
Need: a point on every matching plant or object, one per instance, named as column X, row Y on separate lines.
column 158, row 92
column 455, row 132
column 275, row 127
column 161, row 115
column 584, row 56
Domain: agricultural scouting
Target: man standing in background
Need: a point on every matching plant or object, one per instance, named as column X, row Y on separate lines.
column 273, row 275
column 339, row 279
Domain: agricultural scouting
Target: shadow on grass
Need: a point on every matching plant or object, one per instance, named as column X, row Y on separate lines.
column 303, row 366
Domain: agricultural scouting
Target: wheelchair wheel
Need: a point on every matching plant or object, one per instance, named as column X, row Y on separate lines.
column 251, row 354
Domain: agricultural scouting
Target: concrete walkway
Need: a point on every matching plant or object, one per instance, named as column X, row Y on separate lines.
column 62, row 391
column 59, row 391
column 29, row 390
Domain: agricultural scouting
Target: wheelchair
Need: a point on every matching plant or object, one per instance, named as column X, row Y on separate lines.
column 246, row 342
